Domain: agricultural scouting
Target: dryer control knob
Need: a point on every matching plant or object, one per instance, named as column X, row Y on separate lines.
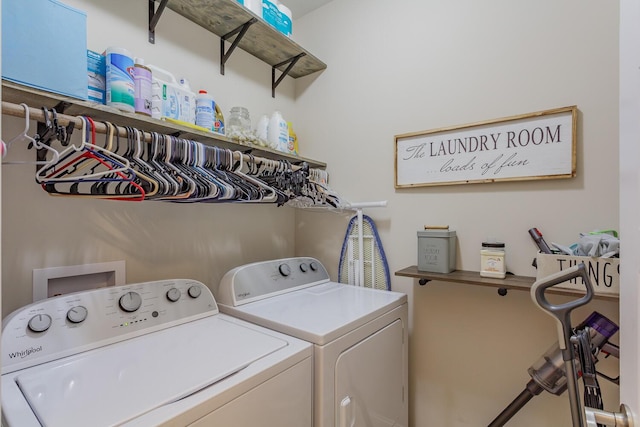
column 195, row 291
column 130, row 302
column 40, row 322
column 285, row 270
column 77, row 314
column 314, row 266
column 304, row 267
column 173, row 294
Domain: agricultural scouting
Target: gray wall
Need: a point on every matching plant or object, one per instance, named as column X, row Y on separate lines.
column 408, row 66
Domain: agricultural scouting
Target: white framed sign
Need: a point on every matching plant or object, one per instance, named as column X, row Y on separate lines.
column 540, row 145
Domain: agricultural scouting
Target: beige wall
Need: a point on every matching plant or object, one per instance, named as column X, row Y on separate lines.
column 156, row 239
column 406, row 66
column 393, row 67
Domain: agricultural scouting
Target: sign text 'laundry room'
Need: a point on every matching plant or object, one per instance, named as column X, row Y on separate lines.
column 538, row 145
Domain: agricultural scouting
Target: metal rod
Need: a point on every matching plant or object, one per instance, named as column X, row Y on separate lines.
column 274, row 82
column 16, row 110
column 241, row 30
column 518, row 403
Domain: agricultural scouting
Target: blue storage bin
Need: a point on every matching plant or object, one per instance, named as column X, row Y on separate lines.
column 44, row 45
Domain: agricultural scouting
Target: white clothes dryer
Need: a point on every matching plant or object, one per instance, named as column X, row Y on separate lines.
column 149, row 354
column 359, row 335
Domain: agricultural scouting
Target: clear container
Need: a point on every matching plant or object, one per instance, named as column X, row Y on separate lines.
column 239, row 119
column 492, row 260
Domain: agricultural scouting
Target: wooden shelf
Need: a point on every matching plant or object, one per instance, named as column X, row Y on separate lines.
column 17, row 94
column 261, row 40
column 520, row 283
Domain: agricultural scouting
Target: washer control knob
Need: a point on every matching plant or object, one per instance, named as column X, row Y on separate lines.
column 130, row 302
column 173, row 294
column 304, row 267
column 39, row 322
column 195, row 291
column 77, row 314
column 284, row 269
column 314, row 266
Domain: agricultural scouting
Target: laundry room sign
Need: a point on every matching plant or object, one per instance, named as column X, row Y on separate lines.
column 540, row 145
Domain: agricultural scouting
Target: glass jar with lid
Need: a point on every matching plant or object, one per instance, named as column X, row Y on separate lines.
column 239, row 119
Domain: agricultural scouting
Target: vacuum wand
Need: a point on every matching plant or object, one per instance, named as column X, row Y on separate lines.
column 548, row 372
column 536, row 235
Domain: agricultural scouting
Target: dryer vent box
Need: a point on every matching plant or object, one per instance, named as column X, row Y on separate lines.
column 54, row 281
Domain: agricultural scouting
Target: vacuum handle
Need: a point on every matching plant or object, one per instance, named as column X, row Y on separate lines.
column 562, row 311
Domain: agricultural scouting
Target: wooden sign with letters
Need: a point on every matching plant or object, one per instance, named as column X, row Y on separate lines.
column 539, row 145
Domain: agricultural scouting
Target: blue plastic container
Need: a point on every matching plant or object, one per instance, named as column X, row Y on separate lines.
column 44, row 45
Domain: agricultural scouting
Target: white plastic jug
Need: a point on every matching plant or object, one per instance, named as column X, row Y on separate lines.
column 205, row 110
column 170, row 98
column 278, row 132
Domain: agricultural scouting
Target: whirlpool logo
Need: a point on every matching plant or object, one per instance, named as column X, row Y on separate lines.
column 24, row 353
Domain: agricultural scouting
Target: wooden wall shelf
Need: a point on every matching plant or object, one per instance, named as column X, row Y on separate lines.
column 520, row 283
column 236, row 24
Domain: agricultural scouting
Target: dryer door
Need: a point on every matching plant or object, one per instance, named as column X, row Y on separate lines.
column 369, row 381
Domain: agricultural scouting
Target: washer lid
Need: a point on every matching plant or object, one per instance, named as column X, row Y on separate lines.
column 321, row 313
column 114, row 384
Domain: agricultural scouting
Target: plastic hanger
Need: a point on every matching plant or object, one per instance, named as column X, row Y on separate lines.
column 24, row 136
column 92, row 187
column 69, row 177
column 73, row 161
column 143, row 176
column 268, row 194
column 190, row 161
column 154, row 153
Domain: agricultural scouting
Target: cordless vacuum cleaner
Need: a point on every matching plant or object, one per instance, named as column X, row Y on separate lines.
column 549, row 372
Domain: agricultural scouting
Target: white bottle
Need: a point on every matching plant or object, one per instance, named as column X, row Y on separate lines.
column 205, row 110
column 188, row 103
column 278, row 132
column 262, row 130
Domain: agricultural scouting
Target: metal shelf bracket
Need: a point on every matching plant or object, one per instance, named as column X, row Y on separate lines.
column 241, row 30
column 291, row 62
column 154, row 17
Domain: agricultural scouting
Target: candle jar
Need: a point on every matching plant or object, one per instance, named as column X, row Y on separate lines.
column 492, row 260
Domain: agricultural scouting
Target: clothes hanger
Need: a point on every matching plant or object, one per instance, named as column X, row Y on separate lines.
column 183, row 159
column 32, row 142
column 187, row 185
column 165, row 187
column 122, row 187
column 267, row 194
column 143, row 177
column 154, row 153
column 190, row 161
column 75, row 174
column 73, row 161
column 211, row 167
column 91, row 158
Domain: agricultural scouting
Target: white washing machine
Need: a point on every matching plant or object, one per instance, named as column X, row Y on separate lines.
column 149, row 354
column 359, row 336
